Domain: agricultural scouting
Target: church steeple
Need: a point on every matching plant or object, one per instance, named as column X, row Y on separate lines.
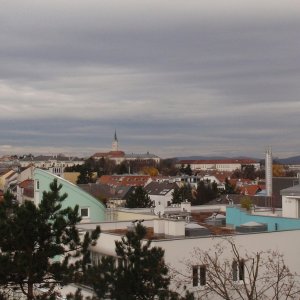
column 115, row 142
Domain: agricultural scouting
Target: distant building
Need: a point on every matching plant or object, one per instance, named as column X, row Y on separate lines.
column 56, row 162
column 226, row 165
column 118, row 156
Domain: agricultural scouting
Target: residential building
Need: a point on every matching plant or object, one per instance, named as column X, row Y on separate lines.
column 8, row 178
column 180, row 237
column 51, row 161
column 25, row 191
column 90, row 208
column 161, row 192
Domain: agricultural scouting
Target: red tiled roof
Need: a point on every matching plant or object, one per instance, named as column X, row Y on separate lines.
column 116, row 153
column 26, row 183
column 250, row 190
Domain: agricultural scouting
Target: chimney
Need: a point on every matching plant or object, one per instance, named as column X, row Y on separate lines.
column 269, row 171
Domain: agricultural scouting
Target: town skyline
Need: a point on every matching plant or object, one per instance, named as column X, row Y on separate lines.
column 179, row 79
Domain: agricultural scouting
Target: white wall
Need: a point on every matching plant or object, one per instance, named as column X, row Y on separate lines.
column 162, row 199
column 290, row 206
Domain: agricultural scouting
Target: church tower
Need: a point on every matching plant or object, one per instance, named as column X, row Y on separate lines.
column 115, row 146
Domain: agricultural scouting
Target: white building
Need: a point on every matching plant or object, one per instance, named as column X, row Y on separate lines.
column 291, row 202
column 161, row 193
column 51, row 161
column 279, row 234
column 224, row 165
column 180, row 249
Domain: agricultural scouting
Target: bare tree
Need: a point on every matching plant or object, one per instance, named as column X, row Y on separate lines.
column 228, row 272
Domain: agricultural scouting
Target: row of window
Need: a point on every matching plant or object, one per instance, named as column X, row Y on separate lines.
column 199, row 273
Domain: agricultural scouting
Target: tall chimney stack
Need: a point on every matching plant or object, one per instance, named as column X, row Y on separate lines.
column 269, row 172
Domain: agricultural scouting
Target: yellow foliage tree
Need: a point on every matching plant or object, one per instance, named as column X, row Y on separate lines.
column 278, row 170
column 150, row 171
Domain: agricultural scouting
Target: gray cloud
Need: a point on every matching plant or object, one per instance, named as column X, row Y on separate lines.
column 174, row 77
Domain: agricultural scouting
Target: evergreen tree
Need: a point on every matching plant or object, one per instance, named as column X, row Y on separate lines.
column 186, row 192
column 188, row 170
column 139, row 198
column 32, row 240
column 206, row 191
column 176, row 195
column 229, row 188
column 140, row 272
column 182, row 193
column 86, row 175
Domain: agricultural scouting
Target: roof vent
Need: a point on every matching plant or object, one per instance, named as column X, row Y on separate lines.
column 252, row 227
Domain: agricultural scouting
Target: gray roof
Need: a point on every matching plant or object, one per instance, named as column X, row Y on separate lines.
column 141, row 156
column 105, row 191
column 159, row 188
column 291, row 191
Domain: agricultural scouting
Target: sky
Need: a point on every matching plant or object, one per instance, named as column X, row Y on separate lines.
column 173, row 77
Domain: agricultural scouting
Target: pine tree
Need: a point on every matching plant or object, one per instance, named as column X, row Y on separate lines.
column 176, row 195
column 139, row 198
column 140, row 272
column 39, row 244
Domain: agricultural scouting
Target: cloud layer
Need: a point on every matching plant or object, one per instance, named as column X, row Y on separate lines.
column 174, row 77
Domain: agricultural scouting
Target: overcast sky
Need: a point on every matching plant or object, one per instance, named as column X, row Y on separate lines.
column 174, row 77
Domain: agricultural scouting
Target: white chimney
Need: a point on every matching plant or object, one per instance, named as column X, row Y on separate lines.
column 269, row 170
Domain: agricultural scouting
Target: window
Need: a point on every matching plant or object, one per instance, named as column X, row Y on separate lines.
column 199, row 275
column 238, row 270
column 84, row 212
column 37, row 184
column 241, row 269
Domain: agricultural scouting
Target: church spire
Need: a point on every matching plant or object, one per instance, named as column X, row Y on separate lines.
column 115, row 142
column 116, row 139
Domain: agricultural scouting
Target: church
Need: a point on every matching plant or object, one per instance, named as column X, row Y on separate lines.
column 118, row 156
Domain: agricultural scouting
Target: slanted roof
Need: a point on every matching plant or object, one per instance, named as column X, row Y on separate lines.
column 124, row 180
column 105, row 191
column 250, row 190
column 26, row 183
column 291, row 191
column 160, row 188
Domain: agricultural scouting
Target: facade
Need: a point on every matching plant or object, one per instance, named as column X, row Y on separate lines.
column 225, row 165
column 91, row 209
column 291, row 202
